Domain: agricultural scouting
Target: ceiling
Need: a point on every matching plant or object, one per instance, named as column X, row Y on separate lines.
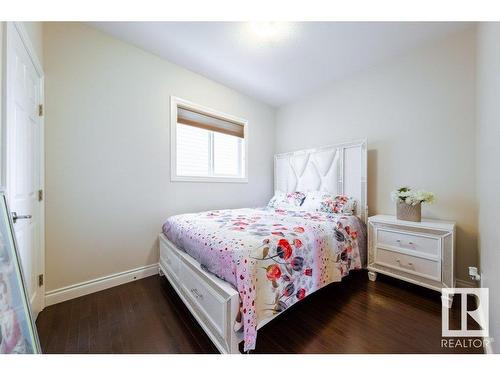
column 299, row 58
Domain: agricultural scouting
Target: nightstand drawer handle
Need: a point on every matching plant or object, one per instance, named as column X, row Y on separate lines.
column 409, row 243
column 409, row 265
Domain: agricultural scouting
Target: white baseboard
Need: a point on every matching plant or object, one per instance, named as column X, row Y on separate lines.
column 459, row 283
column 488, row 349
column 77, row 290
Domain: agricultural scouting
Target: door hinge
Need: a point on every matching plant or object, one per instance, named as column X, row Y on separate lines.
column 40, row 280
column 40, row 195
column 40, row 110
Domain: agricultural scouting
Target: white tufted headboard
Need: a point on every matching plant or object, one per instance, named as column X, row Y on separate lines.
column 337, row 169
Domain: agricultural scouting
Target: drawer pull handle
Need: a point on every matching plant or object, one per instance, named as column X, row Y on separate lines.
column 409, row 265
column 196, row 293
column 399, row 242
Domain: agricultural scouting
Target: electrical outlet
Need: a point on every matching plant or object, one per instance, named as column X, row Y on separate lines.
column 474, row 274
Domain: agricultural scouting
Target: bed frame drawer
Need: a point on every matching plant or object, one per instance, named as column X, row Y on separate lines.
column 211, row 303
column 169, row 258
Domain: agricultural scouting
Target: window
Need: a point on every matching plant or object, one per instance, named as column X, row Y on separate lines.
column 207, row 145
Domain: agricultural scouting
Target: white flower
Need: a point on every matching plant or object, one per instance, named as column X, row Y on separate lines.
column 424, row 196
column 405, row 194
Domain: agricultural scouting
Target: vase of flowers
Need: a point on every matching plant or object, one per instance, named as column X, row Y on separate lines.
column 409, row 203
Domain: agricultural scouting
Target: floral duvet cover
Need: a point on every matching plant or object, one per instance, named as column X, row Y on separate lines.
column 274, row 258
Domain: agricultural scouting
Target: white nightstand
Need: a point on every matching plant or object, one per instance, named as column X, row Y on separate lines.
column 421, row 253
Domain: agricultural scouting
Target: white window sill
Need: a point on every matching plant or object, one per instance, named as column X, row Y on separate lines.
column 238, row 180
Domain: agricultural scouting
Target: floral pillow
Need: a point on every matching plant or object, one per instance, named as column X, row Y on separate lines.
column 287, row 201
column 325, row 202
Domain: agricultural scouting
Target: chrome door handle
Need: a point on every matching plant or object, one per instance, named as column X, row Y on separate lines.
column 16, row 217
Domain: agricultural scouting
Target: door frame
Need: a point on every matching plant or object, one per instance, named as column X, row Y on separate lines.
column 9, row 30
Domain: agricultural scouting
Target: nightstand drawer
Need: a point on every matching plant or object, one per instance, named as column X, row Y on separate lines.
column 413, row 265
column 409, row 241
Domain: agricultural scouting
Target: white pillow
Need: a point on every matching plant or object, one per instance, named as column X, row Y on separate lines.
column 287, row 201
column 322, row 201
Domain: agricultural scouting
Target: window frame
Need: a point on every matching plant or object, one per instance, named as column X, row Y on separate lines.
column 174, row 103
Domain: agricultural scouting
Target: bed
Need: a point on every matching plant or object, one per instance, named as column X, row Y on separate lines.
column 238, row 269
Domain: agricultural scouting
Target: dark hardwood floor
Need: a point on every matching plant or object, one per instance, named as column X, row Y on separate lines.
column 354, row 316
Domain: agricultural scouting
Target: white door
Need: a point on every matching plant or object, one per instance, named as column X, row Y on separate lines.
column 24, row 136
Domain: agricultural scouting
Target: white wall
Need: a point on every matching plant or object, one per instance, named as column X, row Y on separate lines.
column 418, row 113
column 487, row 162
column 108, row 187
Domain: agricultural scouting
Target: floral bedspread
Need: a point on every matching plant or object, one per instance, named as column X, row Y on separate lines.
column 274, row 258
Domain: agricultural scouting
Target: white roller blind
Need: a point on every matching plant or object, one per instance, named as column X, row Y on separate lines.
column 188, row 116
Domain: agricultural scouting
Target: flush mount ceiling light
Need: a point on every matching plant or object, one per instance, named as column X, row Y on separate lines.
column 271, row 31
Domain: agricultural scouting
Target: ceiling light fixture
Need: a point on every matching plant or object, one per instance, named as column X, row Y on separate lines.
column 269, row 30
